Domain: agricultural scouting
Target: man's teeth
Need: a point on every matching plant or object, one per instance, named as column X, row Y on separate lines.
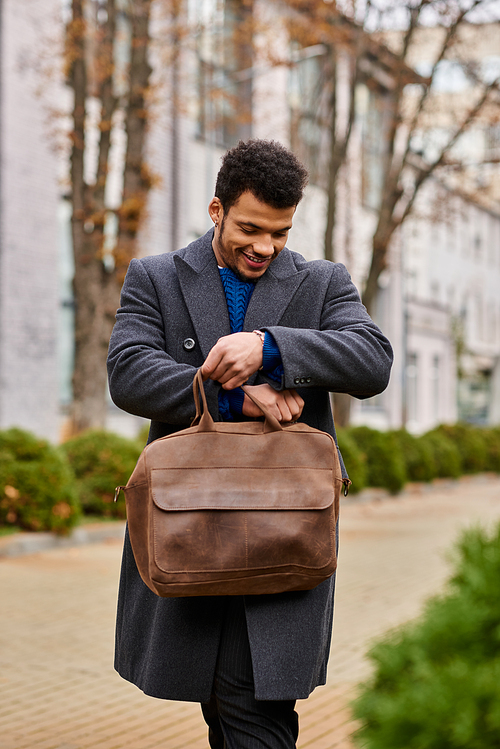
column 256, row 259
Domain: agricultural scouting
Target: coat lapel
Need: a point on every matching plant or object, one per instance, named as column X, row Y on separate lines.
column 203, row 292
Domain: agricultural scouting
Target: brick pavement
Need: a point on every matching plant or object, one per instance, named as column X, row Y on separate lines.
column 58, row 689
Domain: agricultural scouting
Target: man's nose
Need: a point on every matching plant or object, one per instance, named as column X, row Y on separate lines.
column 264, row 245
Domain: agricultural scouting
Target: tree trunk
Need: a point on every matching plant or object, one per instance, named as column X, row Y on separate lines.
column 96, row 300
column 88, row 400
column 96, row 283
column 378, row 264
column 338, row 150
column 137, row 178
column 334, row 165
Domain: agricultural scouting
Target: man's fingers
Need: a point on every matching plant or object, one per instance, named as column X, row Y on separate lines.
column 286, row 414
column 210, row 363
column 233, row 359
column 284, row 405
column 292, row 404
column 295, row 403
column 235, row 382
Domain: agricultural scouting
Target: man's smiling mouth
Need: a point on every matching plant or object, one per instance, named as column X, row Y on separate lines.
column 254, row 259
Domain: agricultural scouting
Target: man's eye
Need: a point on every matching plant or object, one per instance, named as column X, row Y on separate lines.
column 248, row 231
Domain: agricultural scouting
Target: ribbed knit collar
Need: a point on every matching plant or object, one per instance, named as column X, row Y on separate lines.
column 238, row 295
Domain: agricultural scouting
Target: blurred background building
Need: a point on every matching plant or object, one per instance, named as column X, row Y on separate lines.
column 344, row 93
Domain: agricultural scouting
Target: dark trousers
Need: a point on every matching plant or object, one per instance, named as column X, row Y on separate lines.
column 236, row 720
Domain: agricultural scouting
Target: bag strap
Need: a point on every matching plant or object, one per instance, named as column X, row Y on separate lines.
column 203, row 418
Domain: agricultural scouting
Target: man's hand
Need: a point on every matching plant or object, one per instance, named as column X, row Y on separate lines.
column 285, row 405
column 233, row 359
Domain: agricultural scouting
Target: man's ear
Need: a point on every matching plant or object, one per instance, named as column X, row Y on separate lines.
column 216, row 211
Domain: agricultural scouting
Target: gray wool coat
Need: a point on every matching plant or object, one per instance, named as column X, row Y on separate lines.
column 327, row 341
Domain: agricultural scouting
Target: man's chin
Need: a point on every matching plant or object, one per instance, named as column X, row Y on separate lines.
column 248, row 276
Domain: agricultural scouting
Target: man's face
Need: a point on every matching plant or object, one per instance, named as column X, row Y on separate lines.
column 250, row 235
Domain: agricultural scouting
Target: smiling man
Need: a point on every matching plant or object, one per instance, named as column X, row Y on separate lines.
column 246, row 309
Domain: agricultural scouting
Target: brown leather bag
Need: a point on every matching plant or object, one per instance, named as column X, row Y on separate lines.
column 235, row 508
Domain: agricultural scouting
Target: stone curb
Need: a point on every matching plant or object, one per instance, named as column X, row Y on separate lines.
column 31, row 543
column 374, row 494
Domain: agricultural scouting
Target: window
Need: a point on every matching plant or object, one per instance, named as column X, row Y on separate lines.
column 225, row 59
column 479, row 309
column 411, row 391
column 310, row 110
column 492, row 142
column 436, row 387
column 375, row 127
column 474, row 398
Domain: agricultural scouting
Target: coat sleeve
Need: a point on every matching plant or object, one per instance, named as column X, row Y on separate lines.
column 347, row 354
column 144, row 378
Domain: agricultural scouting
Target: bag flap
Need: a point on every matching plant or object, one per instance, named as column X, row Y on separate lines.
column 242, row 488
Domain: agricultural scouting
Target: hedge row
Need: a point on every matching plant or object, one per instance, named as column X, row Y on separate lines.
column 37, row 485
column 436, row 680
column 101, row 461
column 391, row 459
column 47, row 488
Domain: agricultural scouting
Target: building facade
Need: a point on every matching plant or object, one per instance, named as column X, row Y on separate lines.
column 29, row 242
column 438, row 302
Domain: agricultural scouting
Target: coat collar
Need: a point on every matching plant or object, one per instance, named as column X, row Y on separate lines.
column 203, row 292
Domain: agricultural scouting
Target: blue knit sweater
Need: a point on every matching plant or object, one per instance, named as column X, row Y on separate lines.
column 238, row 294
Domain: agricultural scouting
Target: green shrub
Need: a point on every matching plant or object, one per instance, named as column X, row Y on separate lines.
column 101, row 461
column 354, row 460
column 436, row 681
column 384, row 460
column 446, row 454
column 37, row 486
column 492, row 439
column 418, row 456
column 471, row 444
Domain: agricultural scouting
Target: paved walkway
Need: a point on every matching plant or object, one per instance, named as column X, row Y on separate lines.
column 58, row 689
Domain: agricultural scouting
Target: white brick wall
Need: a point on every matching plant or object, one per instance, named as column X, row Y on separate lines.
column 29, row 279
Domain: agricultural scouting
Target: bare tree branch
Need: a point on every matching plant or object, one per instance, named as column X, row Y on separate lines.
column 424, row 174
column 108, row 107
column 449, row 38
column 77, row 69
column 136, row 178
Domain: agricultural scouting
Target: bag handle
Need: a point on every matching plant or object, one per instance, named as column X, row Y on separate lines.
column 203, row 418
column 271, row 423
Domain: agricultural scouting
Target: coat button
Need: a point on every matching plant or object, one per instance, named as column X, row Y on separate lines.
column 297, row 381
column 302, row 380
column 308, row 379
column 189, row 344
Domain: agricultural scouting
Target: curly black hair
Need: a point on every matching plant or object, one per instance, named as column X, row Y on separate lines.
column 265, row 168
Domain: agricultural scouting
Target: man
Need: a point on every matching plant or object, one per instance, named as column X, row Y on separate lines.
column 239, row 304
